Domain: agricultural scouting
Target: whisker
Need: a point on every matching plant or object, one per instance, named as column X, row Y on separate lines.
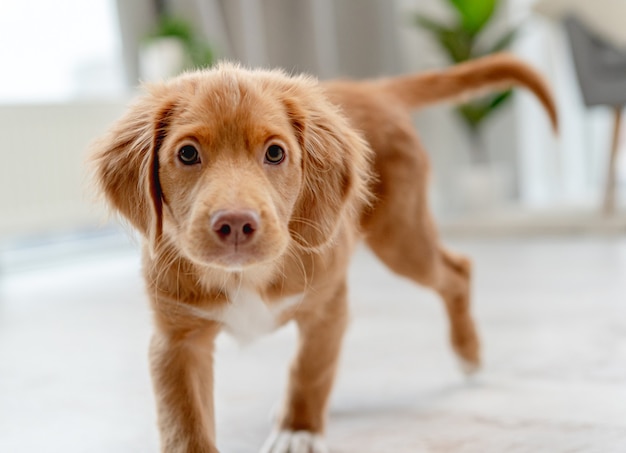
column 301, row 241
column 178, row 279
column 308, row 222
column 294, row 253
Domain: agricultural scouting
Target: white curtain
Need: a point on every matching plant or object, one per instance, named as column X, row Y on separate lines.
column 568, row 171
column 366, row 38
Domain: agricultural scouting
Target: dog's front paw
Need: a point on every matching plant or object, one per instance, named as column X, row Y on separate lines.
column 294, row 442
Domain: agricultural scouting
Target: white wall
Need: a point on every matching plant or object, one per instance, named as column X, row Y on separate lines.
column 43, row 180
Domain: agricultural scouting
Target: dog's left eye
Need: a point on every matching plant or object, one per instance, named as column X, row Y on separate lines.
column 274, row 155
column 188, row 155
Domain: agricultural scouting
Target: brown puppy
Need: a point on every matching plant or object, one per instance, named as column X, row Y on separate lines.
column 251, row 189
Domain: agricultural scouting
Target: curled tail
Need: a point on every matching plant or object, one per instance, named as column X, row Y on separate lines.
column 471, row 79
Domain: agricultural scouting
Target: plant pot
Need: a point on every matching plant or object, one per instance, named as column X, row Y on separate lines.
column 162, row 58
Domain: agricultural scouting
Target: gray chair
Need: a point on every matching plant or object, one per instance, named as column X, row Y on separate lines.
column 601, row 73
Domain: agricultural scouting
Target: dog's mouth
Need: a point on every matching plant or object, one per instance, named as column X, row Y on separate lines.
column 237, row 256
column 234, row 257
column 234, row 261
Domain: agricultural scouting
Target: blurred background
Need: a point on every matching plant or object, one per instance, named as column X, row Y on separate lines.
column 72, row 66
column 543, row 216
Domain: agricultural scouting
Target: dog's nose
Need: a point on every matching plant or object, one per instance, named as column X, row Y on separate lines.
column 235, row 227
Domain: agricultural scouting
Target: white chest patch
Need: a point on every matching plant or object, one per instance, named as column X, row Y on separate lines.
column 247, row 316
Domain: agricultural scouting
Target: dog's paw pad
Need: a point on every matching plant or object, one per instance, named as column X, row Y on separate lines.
column 294, row 442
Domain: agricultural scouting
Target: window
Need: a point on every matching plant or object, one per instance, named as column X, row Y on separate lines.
column 61, row 50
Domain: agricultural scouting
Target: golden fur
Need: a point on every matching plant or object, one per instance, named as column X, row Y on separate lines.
column 354, row 168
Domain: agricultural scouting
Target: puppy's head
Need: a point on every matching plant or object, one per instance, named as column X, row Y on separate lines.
column 232, row 167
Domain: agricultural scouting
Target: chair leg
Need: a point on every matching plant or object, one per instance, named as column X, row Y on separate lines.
column 611, row 180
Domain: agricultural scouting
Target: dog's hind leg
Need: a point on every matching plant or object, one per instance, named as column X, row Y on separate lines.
column 401, row 232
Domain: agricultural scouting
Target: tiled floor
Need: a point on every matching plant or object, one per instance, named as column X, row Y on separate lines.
column 74, row 376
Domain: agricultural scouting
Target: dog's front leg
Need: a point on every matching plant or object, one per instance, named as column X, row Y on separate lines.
column 321, row 329
column 182, row 374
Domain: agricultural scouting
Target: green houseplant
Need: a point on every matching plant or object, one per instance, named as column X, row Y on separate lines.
column 172, row 47
column 199, row 53
column 460, row 41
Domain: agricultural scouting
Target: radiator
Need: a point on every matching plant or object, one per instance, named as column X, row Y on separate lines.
column 43, row 180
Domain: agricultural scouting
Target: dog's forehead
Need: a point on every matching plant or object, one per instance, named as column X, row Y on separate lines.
column 234, row 93
column 228, row 102
column 226, row 90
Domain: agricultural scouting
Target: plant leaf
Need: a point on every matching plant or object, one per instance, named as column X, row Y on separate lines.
column 455, row 41
column 202, row 55
column 499, row 99
column 172, row 27
column 197, row 49
column 472, row 114
column 429, row 24
column 504, row 42
column 474, row 14
column 475, row 112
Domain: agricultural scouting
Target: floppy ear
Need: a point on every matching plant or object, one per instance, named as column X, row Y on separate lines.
column 335, row 166
column 127, row 165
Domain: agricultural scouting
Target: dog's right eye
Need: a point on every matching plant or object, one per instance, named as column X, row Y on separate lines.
column 188, row 155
